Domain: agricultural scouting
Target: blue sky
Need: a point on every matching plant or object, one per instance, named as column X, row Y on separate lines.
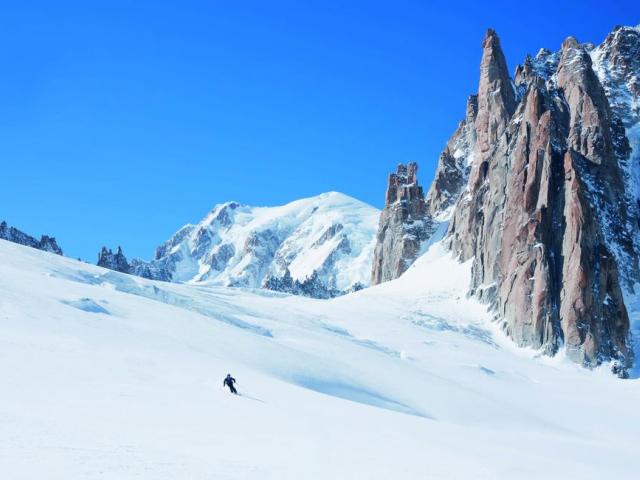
column 122, row 121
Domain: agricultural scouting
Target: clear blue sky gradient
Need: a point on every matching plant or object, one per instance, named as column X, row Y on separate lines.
column 122, row 121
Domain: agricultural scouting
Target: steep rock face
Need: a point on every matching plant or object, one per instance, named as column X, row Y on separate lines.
column 616, row 62
column 487, row 181
column 496, row 97
column 404, row 225
column 545, row 218
column 593, row 315
column 320, row 247
column 454, row 165
column 409, row 220
column 46, row 243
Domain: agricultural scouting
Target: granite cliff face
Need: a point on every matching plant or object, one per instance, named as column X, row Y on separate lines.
column 46, row 243
column 547, row 217
column 409, row 220
column 454, row 165
column 404, row 225
column 540, row 187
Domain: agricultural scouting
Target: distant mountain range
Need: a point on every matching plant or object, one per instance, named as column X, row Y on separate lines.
column 320, row 246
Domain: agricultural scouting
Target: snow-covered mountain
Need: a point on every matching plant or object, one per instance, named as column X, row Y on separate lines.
column 111, row 376
column 320, row 247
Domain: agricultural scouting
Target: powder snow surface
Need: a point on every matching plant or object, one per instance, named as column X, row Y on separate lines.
column 110, row 376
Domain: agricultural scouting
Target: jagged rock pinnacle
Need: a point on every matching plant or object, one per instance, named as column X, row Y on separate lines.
column 404, row 225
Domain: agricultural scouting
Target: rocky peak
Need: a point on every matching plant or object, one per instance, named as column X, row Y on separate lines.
column 617, row 63
column 404, row 225
column 49, row 244
column 46, row 243
column 524, row 71
column 164, row 249
column 590, row 124
column 454, row 165
column 324, row 242
column 403, row 187
column 113, row 261
column 545, row 215
column 570, row 43
column 496, row 97
column 222, row 215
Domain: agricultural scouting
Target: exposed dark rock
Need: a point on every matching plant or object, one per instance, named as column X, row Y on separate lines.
column 113, row 261
column 219, row 257
column 404, row 225
column 46, row 243
column 150, row 270
column 328, row 234
column 454, row 165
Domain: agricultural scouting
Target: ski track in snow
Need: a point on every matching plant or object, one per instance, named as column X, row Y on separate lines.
column 110, row 376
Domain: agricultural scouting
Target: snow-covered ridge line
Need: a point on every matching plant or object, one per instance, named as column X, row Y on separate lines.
column 320, row 247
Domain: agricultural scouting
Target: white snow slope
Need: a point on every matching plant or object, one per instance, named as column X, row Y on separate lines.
column 239, row 245
column 111, row 376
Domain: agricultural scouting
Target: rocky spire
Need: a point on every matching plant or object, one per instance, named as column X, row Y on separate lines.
column 113, row 261
column 404, row 225
column 617, row 63
column 454, row 165
column 496, row 97
column 46, row 243
column 49, row 244
column 592, row 311
column 590, row 117
column 545, row 218
column 496, row 104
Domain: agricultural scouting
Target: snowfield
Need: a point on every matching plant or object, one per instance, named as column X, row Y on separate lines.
column 111, row 376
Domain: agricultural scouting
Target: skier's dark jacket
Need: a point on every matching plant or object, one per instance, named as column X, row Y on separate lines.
column 229, row 381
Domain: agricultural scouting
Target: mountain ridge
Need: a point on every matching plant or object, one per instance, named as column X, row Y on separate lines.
column 319, row 246
column 543, row 197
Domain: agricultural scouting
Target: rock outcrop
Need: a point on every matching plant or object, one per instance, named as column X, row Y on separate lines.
column 546, row 217
column 408, row 220
column 118, row 262
column 113, row 261
column 404, row 225
column 46, row 243
column 540, row 187
column 454, row 165
column 616, row 62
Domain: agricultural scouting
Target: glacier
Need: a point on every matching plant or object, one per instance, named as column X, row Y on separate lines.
column 108, row 375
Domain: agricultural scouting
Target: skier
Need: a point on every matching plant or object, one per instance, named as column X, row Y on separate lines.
column 228, row 382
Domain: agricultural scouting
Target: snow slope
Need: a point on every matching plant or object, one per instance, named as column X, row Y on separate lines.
column 331, row 235
column 111, row 376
